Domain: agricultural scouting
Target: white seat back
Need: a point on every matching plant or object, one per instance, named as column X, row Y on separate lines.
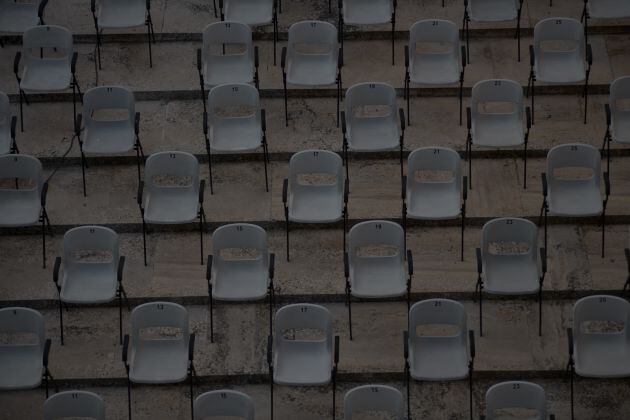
column 15, row 320
column 434, row 31
column 558, row 29
column 233, row 95
column 158, row 315
column 302, row 316
column 81, row 404
column 573, row 155
column 224, row 403
column 107, row 97
column 438, row 312
column 375, row 233
column 94, row 239
column 175, row 164
column 226, row 32
column 375, row 398
column 496, row 90
column 23, row 167
column 46, row 36
column 434, row 159
column 369, row 94
column 314, row 161
column 312, row 32
column 619, row 90
column 516, row 394
column 509, row 230
column 239, row 235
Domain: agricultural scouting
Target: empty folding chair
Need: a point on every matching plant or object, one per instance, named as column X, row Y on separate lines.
column 508, row 263
column 24, row 205
column 310, row 195
column 490, row 11
column 568, row 63
column 501, row 128
column 171, row 193
column 439, row 356
column 604, row 9
column 372, row 12
column 516, row 395
column 570, row 194
column 7, row 127
column 241, row 268
column 236, row 123
column 116, row 14
column 224, row 403
column 23, row 358
column 434, row 188
column 382, row 274
column 308, row 361
column 17, row 17
column 599, row 341
column 226, row 56
column 74, row 404
column 617, row 118
column 369, row 122
column 46, row 71
column 92, row 270
column 444, row 64
column 374, row 398
column 252, row 13
column 312, row 57
column 161, row 348
column 108, row 134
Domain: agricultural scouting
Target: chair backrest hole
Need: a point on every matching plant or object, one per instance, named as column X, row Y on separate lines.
column 316, row 178
column 233, row 48
column 438, row 330
column 509, row 248
column 233, row 111
column 160, row 333
column 515, row 413
column 312, row 48
column 496, row 107
column 573, row 173
column 92, row 256
column 304, row 334
column 371, row 111
column 19, row 338
column 110, row 114
column 377, row 250
column 239, row 254
column 559, row 45
column 602, row 327
column 21, row 183
column 443, row 176
column 166, row 181
column 431, row 47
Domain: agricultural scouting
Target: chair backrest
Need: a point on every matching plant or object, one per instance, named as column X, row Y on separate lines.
column 226, row 32
column 107, row 97
column 240, row 235
column 516, row 394
column 510, row 230
column 370, row 94
column 381, row 398
column 559, row 29
column 5, row 109
column 434, row 159
column 126, row 3
column 302, row 316
column 314, row 161
column 438, row 312
column 435, row 31
column 376, row 232
column 74, row 404
column 573, row 155
column 175, row 164
column 312, row 32
column 99, row 240
column 23, row 167
column 496, row 90
column 224, row 403
column 619, row 89
column 158, row 315
column 15, row 320
column 233, row 95
column 600, row 308
column 46, row 36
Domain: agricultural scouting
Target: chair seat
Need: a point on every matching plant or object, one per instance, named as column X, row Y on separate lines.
column 377, row 277
column 171, row 205
column 621, row 126
column 559, row 67
column 510, row 274
column 367, row 12
column 302, row 364
column 46, row 76
column 159, row 362
column 109, row 137
column 438, row 358
column 608, row 9
column 19, row 207
column 433, row 201
column 122, row 14
column 373, row 134
column 497, row 130
column 240, row 280
column 492, row 10
column 603, row 356
column 434, row 69
column 575, row 198
column 15, row 18
column 312, row 70
column 20, row 366
column 253, row 13
column 235, row 135
column 89, row 283
column 228, row 69
column 321, row 204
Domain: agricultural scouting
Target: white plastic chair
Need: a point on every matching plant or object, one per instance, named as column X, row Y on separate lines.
column 161, row 359
column 376, row 276
column 163, row 203
column 108, row 136
column 440, row 198
column 380, row 398
column 370, row 12
column 23, row 364
column 443, row 67
column 572, row 196
column 442, row 357
column 81, row 404
column 92, row 270
column 7, row 127
column 26, row 204
column 597, row 352
column 312, row 57
column 508, row 262
column 243, row 277
column 372, row 133
column 216, row 66
column 603, row 9
column 516, row 394
column 224, row 403
column 497, row 129
column 46, row 74
column 490, row 11
column 302, row 362
column 315, row 202
column 119, row 14
column 17, row 17
column 617, row 118
column 570, row 65
column 243, row 129
column 252, row 13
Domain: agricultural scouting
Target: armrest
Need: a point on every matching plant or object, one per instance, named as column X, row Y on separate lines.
column 205, row 123
column 339, row 58
column 346, row 190
column 346, row 265
column 589, row 55
column 471, row 343
column 532, row 56
column 136, row 123
column 139, row 196
column 528, row 117
column 44, row 193
column 283, row 58
column 77, row 124
column 125, row 349
column 56, row 269
column 263, row 120
column 93, row 6
column 256, row 56
column 148, row 4
column 16, row 62
column 406, row 56
column 73, row 63
column 404, row 188
column 406, row 345
column 191, row 347
column 269, row 350
column 285, row 189
column 543, row 178
column 209, row 268
column 608, row 114
column 543, row 259
column 401, row 114
column 468, row 118
column 479, row 261
column 199, row 59
column 272, row 265
column 463, row 56
column 465, row 188
column 121, row 267
column 40, row 9
column 343, row 122
column 47, row 344
column 202, row 188
column 410, row 262
column 336, row 350
column 607, row 183
column 570, row 338
column 13, row 125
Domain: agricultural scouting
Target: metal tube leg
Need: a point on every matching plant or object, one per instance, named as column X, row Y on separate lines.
column 83, row 173
column 470, row 391
column 43, row 241
column 120, row 316
column 192, row 406
column 525, row 166
column 480, row 311
column 286, row 217
column 271, row 391
column 572, row 402
column 21, row 111
column 349, row 301
column 286, row 111
column 129, row 396
column 540, row 311
column 407, row 90
column 603, row 231
column 144, row 239
column 149, row 41
column 60, row 321
column 265, row 158
column 463, row 228
column 201, row 234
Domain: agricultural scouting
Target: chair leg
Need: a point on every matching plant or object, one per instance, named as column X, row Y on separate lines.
column 349, row 302
column 46, row 382
column 467, row 24
column 480, row 294
column 586, row 96
column 286, row 219
column 540, row 310
column 525, row 165
column 191, row 375
column 286, row 111
column 60, row 320
column 21, row 93
column 334, row 394
column 265, row 159
column 404, row 217
column 271, row 391
column 43, row 241
column 407, row 96
column 469, row 156
column 201, row 217
column 603, row 231
column 144, row 238
column 533, row 80
column 149, row 24
column 275, row 35
column 338, row 96
column 83, row 173
column 461, row 96
column 470, row 389
column 128, row 396
column 571, row 373
column 393, row 37
column 407, row 386
column 463, row 228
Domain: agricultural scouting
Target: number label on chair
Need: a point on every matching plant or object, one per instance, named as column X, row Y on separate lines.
column 373, row 389
column 436, row 151
column 239, row 228
column 160, row 306
column 509, row 222
column 497, row 83
column 313, row 24
column 602, row 299
column 223, row 395
column 304, row 309
column 109, row 90
column 234, row 88
column 435, row 23
column 15, row 312
column 74, row 396
column 378, row 226
column 372, row 85
column 437, row 303
column 573, row 148
column 558, row 21
column 228, row 25
column 516, row 386
column 316, row 154
column 172, row 155
column 92, row 230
